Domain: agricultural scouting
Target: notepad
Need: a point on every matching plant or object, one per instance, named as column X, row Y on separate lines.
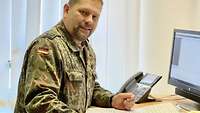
column 157, row 108
column 106, row 110
column 194, row 112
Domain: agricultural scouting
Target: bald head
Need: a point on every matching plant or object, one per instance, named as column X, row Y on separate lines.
column 72, row 2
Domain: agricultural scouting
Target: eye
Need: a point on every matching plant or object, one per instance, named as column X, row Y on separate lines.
column 94, row 17
column 84, row 13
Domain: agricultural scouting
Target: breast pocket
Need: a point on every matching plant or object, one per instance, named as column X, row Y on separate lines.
column 75, row 76
column 75, row 89
column 75, row 83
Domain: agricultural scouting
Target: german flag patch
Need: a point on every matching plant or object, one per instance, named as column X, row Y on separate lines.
column 43, row 51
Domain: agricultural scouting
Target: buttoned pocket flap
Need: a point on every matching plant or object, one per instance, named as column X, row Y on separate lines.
column 75, row 76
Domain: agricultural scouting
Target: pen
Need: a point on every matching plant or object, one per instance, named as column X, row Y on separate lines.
column 182, row 108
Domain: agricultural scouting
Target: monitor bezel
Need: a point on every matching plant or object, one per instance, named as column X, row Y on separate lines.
column 188, row 87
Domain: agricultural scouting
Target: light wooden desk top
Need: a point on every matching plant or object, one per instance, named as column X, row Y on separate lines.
column 164, row 104
column 174, row 99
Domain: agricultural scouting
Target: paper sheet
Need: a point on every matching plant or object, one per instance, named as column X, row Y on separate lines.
column 156, row 108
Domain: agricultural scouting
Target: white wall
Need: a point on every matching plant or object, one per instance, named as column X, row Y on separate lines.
column 196, row 14
column 158, row 19
column 116, row 42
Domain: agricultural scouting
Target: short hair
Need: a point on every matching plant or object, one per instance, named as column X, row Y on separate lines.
column 72, row 2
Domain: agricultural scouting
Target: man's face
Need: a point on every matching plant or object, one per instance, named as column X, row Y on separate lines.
column 81, row 18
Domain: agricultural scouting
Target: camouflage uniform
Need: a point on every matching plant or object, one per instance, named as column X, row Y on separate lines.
column 58, row 77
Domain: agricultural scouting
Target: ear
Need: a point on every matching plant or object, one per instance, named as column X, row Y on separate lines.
column 66, row 9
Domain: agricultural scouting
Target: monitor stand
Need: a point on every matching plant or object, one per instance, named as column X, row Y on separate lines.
column 189, row 106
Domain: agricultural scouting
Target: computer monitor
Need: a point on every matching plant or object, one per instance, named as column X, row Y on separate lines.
column 184, row 69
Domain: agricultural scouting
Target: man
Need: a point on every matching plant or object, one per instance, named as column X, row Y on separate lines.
column 58, row 73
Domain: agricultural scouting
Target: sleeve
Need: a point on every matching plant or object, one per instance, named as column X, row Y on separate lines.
column 101, row 96
column 43, row 81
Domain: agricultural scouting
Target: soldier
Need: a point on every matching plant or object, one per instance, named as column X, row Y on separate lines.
column 58, row 73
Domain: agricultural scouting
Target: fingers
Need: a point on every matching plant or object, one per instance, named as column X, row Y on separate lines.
column 128, row 105
column 123, row 101
column 128, row 101
column 129, row 96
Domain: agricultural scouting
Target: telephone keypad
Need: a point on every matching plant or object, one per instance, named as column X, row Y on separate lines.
column 140, row 91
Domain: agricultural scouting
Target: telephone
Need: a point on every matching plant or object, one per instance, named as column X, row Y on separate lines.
column 140, row 84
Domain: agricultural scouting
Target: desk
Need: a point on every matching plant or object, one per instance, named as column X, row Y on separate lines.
column 173, row 100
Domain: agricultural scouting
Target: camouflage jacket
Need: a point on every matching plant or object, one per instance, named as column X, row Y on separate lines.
column 57, row 77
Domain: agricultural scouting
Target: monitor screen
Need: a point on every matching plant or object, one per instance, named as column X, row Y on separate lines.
column 185, row 64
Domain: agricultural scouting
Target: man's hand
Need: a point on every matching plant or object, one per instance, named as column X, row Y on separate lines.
column 123, row 101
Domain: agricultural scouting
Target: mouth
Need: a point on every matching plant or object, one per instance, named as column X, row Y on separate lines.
column 86, row 30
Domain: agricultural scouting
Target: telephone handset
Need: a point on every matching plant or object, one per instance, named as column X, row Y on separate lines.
column 140, row 84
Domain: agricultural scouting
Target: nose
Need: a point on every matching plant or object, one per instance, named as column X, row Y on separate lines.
column 89, row 19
